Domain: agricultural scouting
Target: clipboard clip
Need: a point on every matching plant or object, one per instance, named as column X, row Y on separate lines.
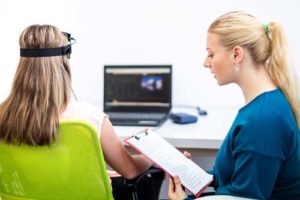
column 138, row 135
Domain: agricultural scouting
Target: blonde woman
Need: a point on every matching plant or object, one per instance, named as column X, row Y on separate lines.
column 260, row 156
column 40, row 97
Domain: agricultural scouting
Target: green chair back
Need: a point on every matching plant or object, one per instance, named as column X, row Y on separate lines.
column 71, row 168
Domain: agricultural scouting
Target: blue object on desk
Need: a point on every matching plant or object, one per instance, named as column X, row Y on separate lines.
column 183, row 118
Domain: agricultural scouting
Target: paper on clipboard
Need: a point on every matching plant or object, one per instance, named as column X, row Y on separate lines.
column 171, row 160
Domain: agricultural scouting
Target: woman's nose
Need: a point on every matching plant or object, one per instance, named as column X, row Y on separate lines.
column 206, row 63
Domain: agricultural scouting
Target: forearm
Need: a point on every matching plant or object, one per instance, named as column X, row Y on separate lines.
column 118, row 158
column 142, row 163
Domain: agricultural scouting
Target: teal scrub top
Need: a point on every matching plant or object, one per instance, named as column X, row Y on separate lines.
column 260, row 156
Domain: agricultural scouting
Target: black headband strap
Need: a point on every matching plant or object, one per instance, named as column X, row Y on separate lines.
column 45, row 52
column 48, row 52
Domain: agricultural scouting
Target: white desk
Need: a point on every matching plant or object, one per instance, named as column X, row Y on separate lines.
column 207, row 133
column 222, row 197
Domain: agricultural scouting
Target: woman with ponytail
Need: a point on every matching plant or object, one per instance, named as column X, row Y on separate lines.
column 260, row 156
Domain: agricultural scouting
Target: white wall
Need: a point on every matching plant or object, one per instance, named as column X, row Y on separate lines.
column 15, row 16
column 139, row 32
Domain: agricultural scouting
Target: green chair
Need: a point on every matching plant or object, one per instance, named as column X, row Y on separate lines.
column 71, row 168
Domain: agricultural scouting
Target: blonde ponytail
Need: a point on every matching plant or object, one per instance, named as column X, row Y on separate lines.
column 279, row 69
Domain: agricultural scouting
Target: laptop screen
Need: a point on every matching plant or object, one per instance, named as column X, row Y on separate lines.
column 137, row 87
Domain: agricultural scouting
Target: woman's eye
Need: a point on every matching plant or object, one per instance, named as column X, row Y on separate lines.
column 210, row 55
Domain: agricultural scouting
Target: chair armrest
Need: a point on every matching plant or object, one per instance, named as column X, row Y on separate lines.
column 149, row 173
column 147, row 185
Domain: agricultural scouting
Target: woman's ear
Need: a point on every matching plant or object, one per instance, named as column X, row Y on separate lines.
column 238, row 54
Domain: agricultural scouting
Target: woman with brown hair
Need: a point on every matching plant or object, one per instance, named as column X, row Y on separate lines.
column 41, row 96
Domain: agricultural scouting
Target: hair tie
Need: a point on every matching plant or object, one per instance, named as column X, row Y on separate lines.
column 267, row 28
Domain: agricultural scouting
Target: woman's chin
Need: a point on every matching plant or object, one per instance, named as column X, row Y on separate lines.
column 220, row 83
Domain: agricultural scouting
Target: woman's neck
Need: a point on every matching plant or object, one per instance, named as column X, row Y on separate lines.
column 254, row 81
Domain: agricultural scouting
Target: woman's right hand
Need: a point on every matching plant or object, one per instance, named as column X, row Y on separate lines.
column 175, row 189
column 187, row 154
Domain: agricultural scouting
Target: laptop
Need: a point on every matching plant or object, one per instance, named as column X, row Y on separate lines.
column 137, row 95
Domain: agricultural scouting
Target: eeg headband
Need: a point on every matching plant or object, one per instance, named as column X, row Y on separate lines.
column 47, row 52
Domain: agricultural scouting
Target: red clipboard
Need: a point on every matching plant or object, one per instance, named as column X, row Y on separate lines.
column 171, row 160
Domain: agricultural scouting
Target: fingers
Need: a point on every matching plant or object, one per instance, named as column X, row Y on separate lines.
column 171, row 184
column 187, row 154
column 177, row 183
column 174, row 184
column 172, row 195
column 175, row 189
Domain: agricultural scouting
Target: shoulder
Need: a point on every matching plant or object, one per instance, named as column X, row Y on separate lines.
column 276, row 111
column 87, row 107
column 269, row 110
column 76, row 108
column 265, row 126
column 84, row 111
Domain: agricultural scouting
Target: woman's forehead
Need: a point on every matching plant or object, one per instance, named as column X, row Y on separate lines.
column 213, row 42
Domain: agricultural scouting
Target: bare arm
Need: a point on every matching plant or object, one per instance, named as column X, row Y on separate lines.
column 117, row 156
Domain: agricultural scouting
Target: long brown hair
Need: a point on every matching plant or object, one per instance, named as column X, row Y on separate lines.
column 267, row 46
column 41, row 91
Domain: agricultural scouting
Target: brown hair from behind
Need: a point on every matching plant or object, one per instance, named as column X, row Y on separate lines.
column 40, row 92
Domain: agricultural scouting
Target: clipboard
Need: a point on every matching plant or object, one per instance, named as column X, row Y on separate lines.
column 171, row 160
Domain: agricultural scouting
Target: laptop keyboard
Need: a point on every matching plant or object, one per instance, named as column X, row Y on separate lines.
column 136, row 115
